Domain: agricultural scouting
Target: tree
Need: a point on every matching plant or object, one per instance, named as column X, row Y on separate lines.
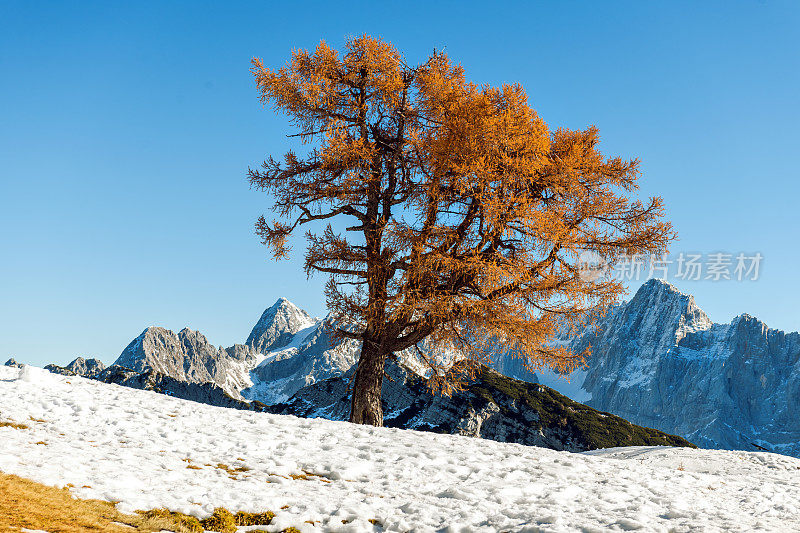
column 466, row 215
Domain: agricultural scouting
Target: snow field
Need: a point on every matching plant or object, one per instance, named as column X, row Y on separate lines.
column 147, row 450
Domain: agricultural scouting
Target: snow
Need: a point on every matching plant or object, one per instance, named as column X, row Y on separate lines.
column 134, row 447
column 570, row 385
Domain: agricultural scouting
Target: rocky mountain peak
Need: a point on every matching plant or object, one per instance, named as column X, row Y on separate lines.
column 659, row 307
column 749, row 322
column 277, row 326
column 154, row 348
column 187, row 356
column 191, row 337
column 86, row 367
column 658, row 293
column 659, row 361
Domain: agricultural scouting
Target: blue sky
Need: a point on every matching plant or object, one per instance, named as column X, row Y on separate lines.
column 127, row 130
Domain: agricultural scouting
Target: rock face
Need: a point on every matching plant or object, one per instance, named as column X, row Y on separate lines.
column 286, row 350
column 11, row 362
column 86, row 367
column 659, row 361
column 208, row 393
column 188, row 356
column 278, row 326
column 493, row 407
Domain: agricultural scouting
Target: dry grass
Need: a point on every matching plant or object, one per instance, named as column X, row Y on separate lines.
column 27, row 504
column 308, row 476
column 222, row 520
column 15, row 425
column 233, row 473
column 24, row 503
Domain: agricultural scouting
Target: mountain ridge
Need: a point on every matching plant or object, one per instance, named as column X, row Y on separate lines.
column 657, row 360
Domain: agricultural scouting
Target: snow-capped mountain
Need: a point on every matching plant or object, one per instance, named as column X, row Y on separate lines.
column 309, row 356
column 660, row 362
column 286, row 350
column 188, row 356
column 278, row 326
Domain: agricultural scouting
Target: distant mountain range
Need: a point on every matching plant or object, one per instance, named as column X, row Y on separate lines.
column 493, row 406
column 657, row 361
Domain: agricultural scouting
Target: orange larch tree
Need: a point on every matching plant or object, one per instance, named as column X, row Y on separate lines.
column 467, row 214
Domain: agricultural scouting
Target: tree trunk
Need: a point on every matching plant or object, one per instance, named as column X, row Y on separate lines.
column 367, row 387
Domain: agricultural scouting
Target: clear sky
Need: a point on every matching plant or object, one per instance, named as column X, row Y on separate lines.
column 127, row 129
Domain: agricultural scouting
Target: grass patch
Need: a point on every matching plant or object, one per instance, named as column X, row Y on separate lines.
column 222, row 520
column 308, row 476
column 185, row 523
column 15, row 425
column 253, row 519
column 189, row 464
column 233, row 473
column 25, row 503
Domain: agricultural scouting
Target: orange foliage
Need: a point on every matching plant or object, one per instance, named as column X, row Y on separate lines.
column 468, row 213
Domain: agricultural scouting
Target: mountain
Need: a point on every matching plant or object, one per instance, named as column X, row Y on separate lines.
column 492, row 406
column 278, row 326
column 188, row 356
column 286, row 350
column 78, row 367
column 292, row 358
column 310, row 355
column 86, row 367
column 659, row 361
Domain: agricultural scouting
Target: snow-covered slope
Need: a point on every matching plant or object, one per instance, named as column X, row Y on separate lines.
column 660, row 362
column 134, row 447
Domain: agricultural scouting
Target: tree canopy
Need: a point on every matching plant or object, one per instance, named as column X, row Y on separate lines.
column 462, row 216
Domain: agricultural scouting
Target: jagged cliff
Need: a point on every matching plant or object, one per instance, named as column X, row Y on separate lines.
column 188, row 356
column 659, row 361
